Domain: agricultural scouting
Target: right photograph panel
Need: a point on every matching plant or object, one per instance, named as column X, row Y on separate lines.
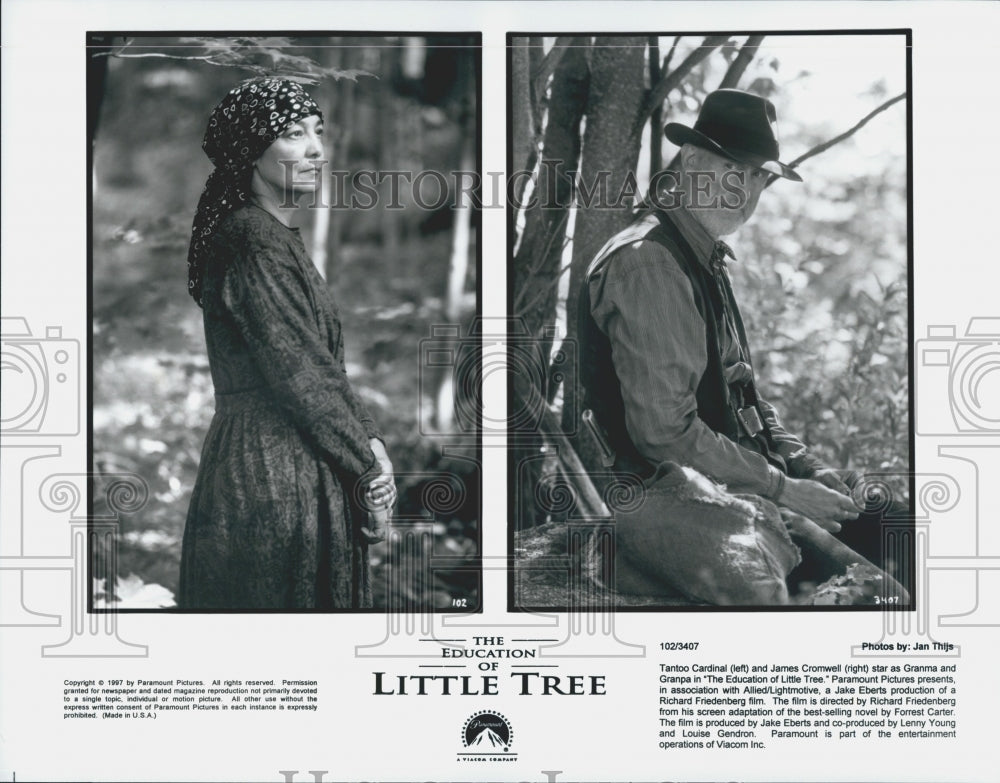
column 709, row 279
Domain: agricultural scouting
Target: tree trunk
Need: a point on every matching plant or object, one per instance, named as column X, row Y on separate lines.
column 321, row 222
column 458, row 268
column 536, row 54
column 614, row 104
column 388, row 151
column 537, row 261
column 522, row 112
column 331, row 57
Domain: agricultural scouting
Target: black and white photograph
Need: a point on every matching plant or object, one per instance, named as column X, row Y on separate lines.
column 709, row 281
column 264, row 270
column 521, row 390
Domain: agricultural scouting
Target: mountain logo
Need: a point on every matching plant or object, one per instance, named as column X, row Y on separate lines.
column 487, row 732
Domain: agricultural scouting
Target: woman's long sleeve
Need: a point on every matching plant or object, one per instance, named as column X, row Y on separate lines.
column 271, row 303
column 364, row 416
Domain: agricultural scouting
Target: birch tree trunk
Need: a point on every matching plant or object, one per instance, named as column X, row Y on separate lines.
column 388, row 152
column 345, row 117
column 331, row 57
column 458, row 269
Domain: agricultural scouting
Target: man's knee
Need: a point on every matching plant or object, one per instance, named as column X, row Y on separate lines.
column 731, row 567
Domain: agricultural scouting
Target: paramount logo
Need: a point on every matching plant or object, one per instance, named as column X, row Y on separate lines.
column 487, row 737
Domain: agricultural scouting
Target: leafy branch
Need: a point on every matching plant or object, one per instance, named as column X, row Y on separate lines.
column 673, row 79
column 845, row 135
column 266, row 56
column 743, row 59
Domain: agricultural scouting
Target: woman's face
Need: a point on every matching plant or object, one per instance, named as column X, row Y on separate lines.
column 289, row 167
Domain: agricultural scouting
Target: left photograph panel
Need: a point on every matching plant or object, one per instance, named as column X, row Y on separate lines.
column 284, row 282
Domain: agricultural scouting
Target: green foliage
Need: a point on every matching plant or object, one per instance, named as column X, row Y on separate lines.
column 822, row 270
column 822, row 281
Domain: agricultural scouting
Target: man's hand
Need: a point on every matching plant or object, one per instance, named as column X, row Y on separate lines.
column 824, row 506
column 830, row 478
column 842, row 481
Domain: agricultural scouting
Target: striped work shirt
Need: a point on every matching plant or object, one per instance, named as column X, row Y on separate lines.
column 643, row 301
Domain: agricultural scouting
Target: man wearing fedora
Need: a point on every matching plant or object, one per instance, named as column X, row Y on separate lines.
column 667, row 370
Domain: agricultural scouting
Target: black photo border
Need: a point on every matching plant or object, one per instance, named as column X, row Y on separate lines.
column 94, row 88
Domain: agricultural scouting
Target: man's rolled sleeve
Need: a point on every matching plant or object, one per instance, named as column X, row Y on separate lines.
column 644, row 303
column 801, row 464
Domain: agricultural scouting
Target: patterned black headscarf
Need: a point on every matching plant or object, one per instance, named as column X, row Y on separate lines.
column 240, row 129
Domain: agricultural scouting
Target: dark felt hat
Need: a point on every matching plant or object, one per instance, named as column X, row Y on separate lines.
column 737, row 125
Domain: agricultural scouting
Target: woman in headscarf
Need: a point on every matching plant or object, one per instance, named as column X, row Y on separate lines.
column 294, row 481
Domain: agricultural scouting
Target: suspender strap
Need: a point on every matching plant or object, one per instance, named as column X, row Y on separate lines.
column 725, row 408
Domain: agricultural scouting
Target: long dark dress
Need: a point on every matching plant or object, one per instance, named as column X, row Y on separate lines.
column 273, row 521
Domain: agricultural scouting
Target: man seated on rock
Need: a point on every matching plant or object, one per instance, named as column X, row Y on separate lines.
column 667, row 370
